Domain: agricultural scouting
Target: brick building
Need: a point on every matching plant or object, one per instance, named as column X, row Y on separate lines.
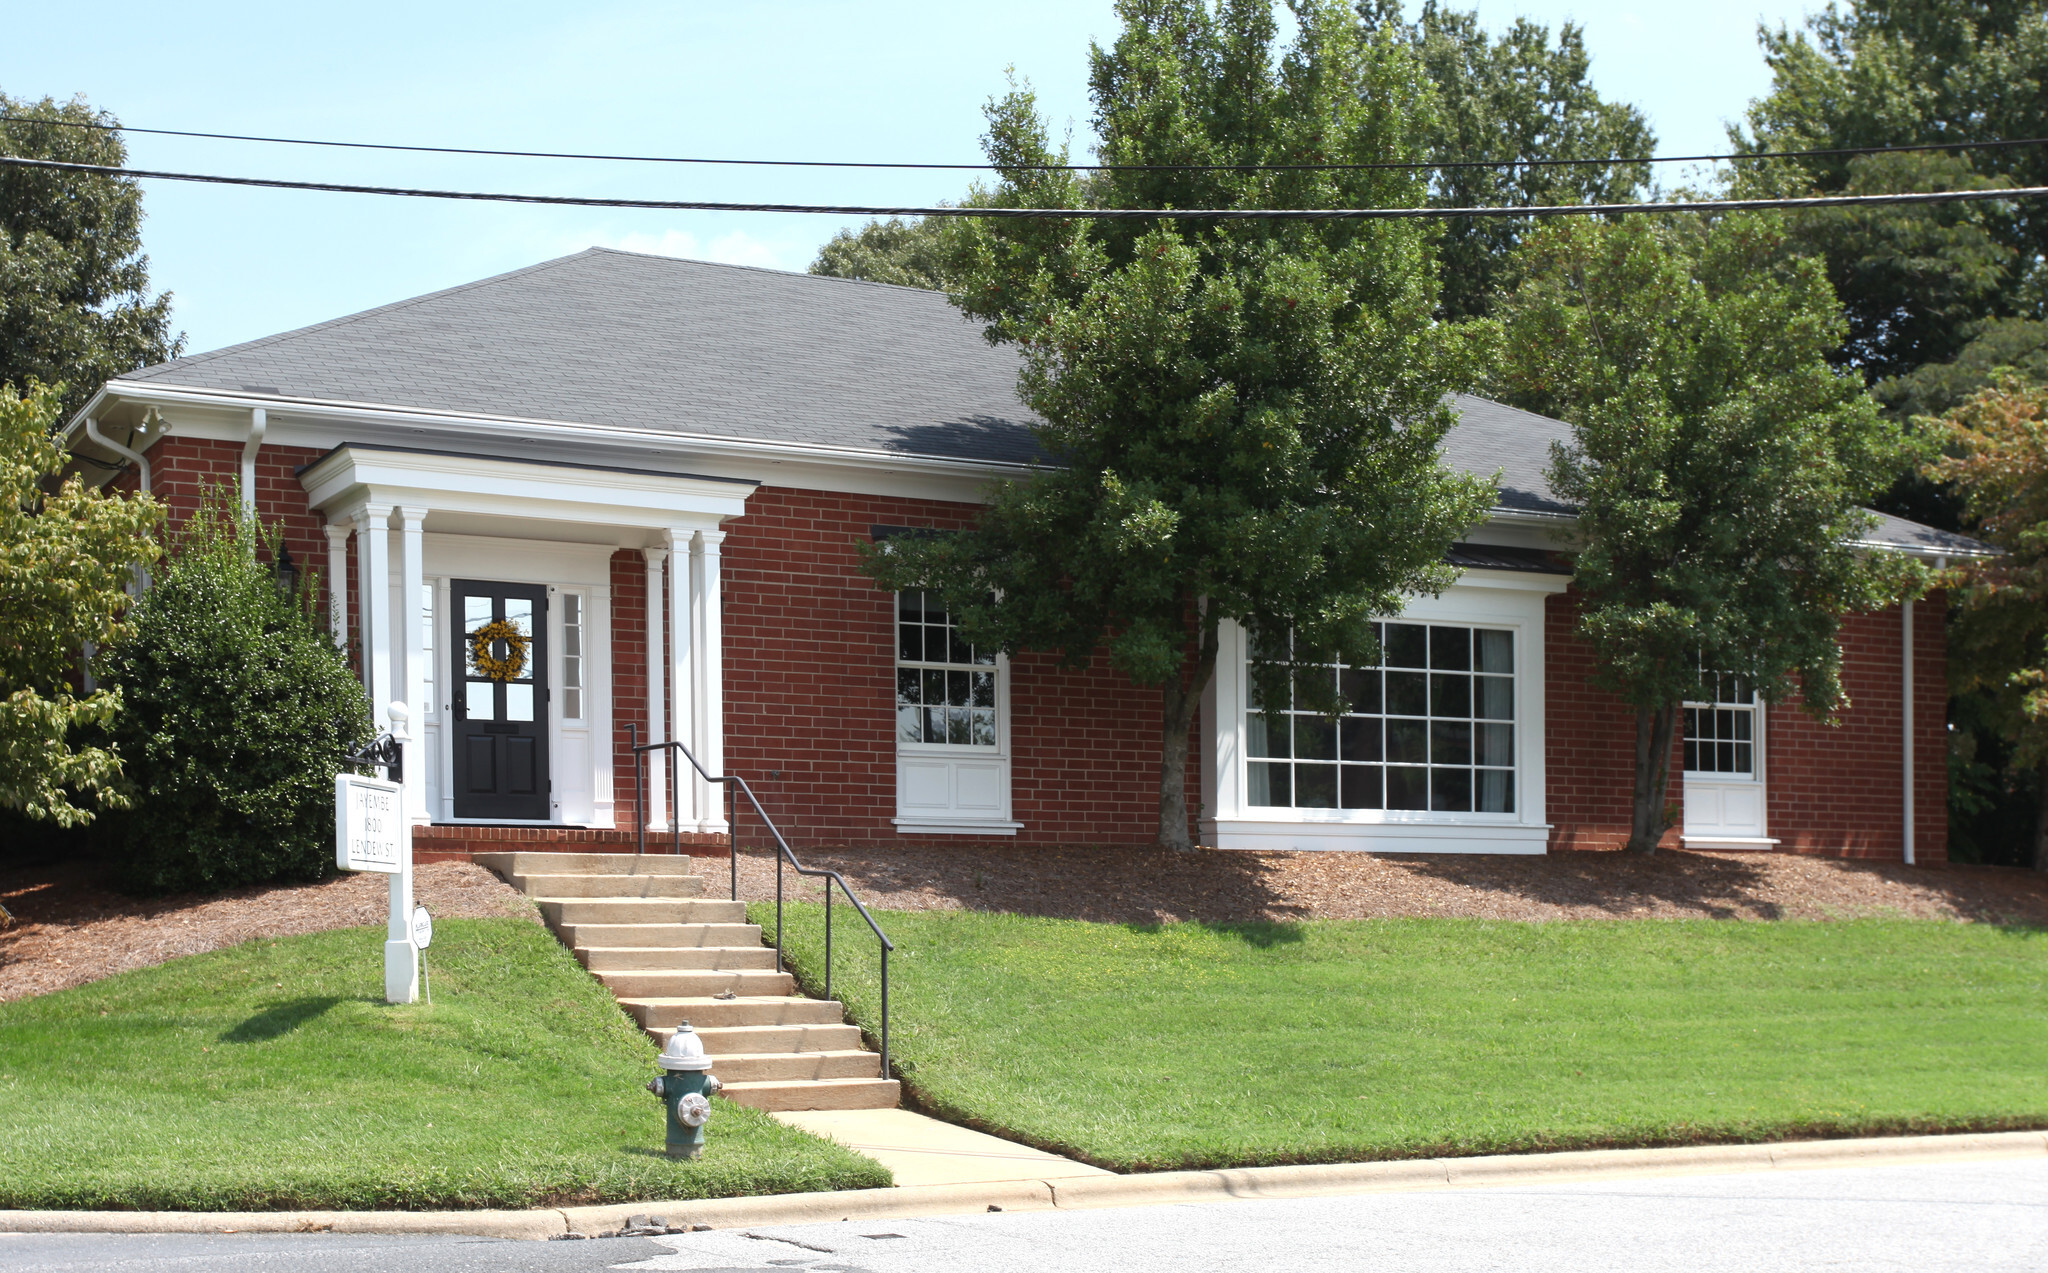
column 657, row 473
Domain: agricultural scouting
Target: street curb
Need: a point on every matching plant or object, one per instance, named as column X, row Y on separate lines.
column 1084, row 1192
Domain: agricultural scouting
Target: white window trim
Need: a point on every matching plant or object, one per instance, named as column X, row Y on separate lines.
column 1481, row 598
column 908, row 822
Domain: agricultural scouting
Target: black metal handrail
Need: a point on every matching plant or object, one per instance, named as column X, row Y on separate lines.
column 733, row 782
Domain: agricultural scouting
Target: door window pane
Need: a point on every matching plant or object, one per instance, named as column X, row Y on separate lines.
column 1429, row 730
column 519, row 700
column 480, row 700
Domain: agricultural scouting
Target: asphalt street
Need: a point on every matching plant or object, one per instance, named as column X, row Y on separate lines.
column 1984, row 1217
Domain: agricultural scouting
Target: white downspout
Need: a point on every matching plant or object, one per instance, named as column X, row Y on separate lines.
column 1906, row 661
column 141, row 462
column 259, row 420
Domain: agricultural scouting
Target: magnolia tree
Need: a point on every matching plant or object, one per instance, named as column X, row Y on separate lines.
column 1719, row 463
column 1241, row 418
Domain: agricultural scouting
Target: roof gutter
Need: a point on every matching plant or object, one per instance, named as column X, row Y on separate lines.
column 553, row 430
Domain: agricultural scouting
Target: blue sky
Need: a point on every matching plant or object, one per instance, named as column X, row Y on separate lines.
column 813, row 79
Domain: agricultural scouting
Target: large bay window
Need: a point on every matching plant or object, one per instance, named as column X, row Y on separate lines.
column 1430, row 726
column 1440, row 747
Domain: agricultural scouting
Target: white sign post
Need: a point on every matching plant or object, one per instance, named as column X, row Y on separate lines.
column 372, row 833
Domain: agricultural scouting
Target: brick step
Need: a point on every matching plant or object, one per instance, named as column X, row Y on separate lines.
column 608, row 885
column 632, row 910
column 698, row 983
column 672, row 958
column 656, row 1013
column 872, row 1093
column 666, row 936
column 838, row 1063
column 521, row 863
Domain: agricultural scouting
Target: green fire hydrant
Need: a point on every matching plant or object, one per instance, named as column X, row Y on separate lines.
column 685, row 1091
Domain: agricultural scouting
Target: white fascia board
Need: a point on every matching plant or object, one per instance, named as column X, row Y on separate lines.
column 473, row 484
column 339, row 422
column 1511, row 580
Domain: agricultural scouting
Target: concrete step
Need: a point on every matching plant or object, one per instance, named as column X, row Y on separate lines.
column 663, row 1012
column 676, row 983
column 672, row 958
column 839, row 1063
column 668, row 936
column 871, row 1093
column 761, row 1040
column 559, row 911
column 521, row 863
column 608, row 885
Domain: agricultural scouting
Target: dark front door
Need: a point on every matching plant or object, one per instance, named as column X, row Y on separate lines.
column 501, row 700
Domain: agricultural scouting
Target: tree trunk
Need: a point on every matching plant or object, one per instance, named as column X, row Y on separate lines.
column 2041, row 824
column 1648, row 821
column 1177, row 718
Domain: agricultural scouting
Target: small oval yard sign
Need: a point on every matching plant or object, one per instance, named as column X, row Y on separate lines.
column 422, row 927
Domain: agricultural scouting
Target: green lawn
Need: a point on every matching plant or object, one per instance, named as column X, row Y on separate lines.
column 273, row 1075
column 1197, row 1045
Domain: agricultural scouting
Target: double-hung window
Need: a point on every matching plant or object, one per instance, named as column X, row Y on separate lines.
column 945, row 688
column 952, row 754
column 1720, row 727
column 1429, row 727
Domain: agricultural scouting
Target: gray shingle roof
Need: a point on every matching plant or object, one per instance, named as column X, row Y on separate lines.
column 650, row 342
column 644, row 342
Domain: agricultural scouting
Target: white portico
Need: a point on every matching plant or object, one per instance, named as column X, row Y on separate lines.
column 447, row 543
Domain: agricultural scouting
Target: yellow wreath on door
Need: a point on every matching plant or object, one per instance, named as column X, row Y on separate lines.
column 513, row 662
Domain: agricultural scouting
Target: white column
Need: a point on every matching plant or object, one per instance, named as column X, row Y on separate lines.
column 412, row 582
column 709, row 724
column 657, row 696
column 337, row 582
column 373, row 564
column 682, row 664
column 597, row 644
column 1906, row 664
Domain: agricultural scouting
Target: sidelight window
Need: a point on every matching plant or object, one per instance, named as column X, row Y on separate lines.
column 572, row 656
column 1430, row 727
column 945, row 688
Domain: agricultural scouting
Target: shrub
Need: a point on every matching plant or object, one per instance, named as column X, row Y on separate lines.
column 237, row 713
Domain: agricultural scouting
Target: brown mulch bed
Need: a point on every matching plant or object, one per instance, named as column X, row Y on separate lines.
column 1148, row 886
column 70, row 929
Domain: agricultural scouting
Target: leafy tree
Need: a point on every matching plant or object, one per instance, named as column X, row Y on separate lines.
column 1245, row 415
column 1999, row 639
column 1717, row 459
column 1515, row 96
column 907, row 253
column 75, row 307
column 237, row 712
column 65, row 562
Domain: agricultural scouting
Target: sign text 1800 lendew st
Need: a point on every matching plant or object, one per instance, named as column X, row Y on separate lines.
column 369, row 824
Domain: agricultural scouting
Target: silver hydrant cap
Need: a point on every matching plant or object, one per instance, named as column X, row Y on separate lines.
column 685, row 1051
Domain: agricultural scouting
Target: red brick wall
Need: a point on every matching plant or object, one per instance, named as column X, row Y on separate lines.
column 1831, row 789
column 810, row 691
column 629, row 674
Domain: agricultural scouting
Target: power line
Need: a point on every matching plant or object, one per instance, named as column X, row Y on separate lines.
column 1061, row 214
column 1445, row 166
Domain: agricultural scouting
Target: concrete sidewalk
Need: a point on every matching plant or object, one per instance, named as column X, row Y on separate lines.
column 924, row 1151
column 1100, row 1189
